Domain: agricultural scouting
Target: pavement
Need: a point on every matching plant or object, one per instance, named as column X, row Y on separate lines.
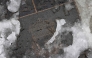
column 38, row 28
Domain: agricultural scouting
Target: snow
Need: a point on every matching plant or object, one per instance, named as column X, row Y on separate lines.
column 80, row 42
column 13, row 5
column 13, row 27
column 68, row 6
column 85, row 11
column 89, row 55
column 9, row 29
column 82, row 36
column 58, row 28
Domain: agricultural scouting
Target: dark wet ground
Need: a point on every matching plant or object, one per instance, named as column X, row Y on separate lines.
column 33, row 6
column 38, row 28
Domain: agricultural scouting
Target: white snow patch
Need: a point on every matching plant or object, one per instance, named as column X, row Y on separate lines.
column 13, row 5
column 82, row 36
column 60, row 23
column 81, row 39
column 14, row 26
column 9, row 29
column 68, row 6
column 80, row 42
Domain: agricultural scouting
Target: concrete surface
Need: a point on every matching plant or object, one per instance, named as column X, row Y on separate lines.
column 26, row 41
